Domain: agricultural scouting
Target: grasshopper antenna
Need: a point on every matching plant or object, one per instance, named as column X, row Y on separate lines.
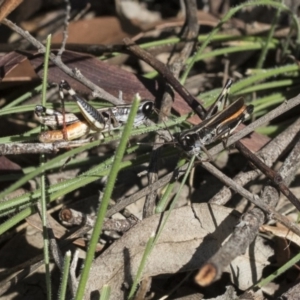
column 221, row 102
column 62, row 98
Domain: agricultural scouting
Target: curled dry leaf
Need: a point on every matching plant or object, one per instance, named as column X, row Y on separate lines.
column 186, row 242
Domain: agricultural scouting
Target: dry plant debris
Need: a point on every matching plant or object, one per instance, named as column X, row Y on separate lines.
column 225, row 231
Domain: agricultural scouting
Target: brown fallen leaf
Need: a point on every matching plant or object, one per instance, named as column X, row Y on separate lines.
column 189, row 238
column 83, row 31
column 7, row 7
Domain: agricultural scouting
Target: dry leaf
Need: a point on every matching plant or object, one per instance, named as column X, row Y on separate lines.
column 7, row 7
column 186, row 242
column 110, row 31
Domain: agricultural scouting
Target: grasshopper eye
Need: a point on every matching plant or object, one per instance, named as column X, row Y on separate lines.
column 147, row 108
column 39, row 110
column 188, row 141
column 249, row 109
column 64, row 85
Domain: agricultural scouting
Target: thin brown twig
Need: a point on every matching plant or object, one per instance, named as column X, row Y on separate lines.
column 273, row 214
column 125, row 201
column 269, row 154
column 271, row 174
column 165, row 72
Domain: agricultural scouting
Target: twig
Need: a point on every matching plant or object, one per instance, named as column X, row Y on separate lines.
column 253, row 158
column 73, row 268
column 273, row 214
column 82, row 12
column 269, row 154
column 165, row 72
column 20, row 148
column 73, row 73
column 248, row 228
column 65, row 31
column 72, row 217
column 244, row 233
column 271, row 174
column 292, row 293
column 291, row 164
column 125, row 201
column 120, row 225
column 149, row 205
column 190, row 32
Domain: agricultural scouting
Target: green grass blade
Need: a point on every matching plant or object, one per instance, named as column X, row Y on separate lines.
column 105, row 200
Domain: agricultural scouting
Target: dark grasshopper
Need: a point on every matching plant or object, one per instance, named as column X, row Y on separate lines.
column 95, row 120
column 219, row 124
